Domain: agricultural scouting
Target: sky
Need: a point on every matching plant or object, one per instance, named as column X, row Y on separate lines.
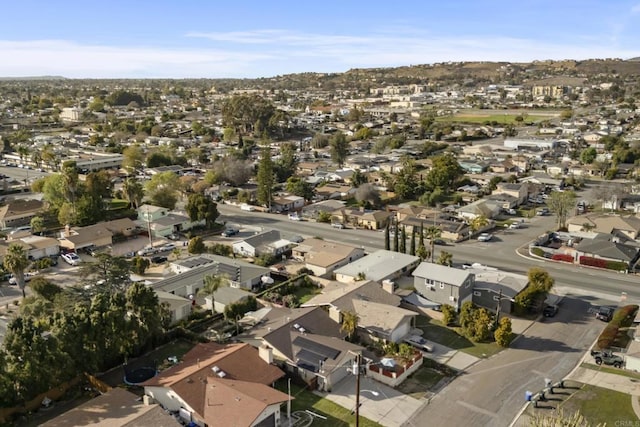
column 265, row 38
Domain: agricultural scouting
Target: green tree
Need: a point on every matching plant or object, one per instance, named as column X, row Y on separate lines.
column 265, row 177
column 300, row 187
column 211, row 284
column 478, row 223
column 37, row 224
column 503, row 335
column 412, row 247
column 358, row 178
column 45, row 288
column 196, row 246
column 349, row 324
column 405, row 182
column 287, row 163
column 70, row 181
column 162, row 189
column 387, row 237
column 324, row 217
column 432, row 233
column 562, row 204
column 145, row 316
column 139, row 265
column 200, row 207
column 403, row 240
column 16, row 261
column 588, row 155
column 107, row 274
column 480, row 328
column 445, row 258
column 133, row 192
column 396, row 237
column 466, row 314
column 339, row 148
column 444, row 173
column 448, row 314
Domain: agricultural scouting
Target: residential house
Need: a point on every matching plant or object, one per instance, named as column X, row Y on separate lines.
column 486, row 208
column 608, row 248
column 312, row 211
column 268, row 243
column 323, row 257
column 162, row 222
column 225, row 296
column 519, row 191
column 37, row 246
column 191, row 272
column 378, row 266
column 443, row 285
column 76, row 238
column 494, row 288
column 115, row 408
column 210, row 381
column 287, row 203
column 624, row 226
column 503, row 166
column 19, row 212
column 179, row 307
column 505, row 201
column 473, row 167
column 307, row 343
column 361, row 218
column 335, row 191
column 378, row 309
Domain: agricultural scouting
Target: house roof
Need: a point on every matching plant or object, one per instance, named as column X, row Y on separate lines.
column 228, row 295
column 323, row 253
column 117, row 407
column 510, row 284
column 606, row 248
column 20, row 207
column 237, row 403
column 450, row 275
column 384, row 318
column 342, row 296
column 39, row 242
column 378, row 265
column 87, row 235
column 262, row 239
column 325, row 206
column 174, row 301
column 118, row 225
column 316, row 353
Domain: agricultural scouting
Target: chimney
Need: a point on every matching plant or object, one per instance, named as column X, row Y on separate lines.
column 148, row 400
column 388, row 285
column 266, row 353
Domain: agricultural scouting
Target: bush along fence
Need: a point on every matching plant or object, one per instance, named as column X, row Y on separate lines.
column 587, row 261
column 623, row 317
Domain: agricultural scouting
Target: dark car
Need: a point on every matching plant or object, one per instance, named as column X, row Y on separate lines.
column 605, row 314
column 230, row 232
column 550, row 310
column 158, row 259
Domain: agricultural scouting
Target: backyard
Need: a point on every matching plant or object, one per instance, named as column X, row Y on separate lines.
column 426, row 379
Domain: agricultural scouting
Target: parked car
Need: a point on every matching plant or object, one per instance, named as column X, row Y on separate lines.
column 27, row 278
column 608, row 358
column 511, row 212
column 146, row 251
column 485, row 237
column 247, row 207
column 159, row 259
column 419, row 342
column 440, row 242
column 550, row 310
column 295, row 217
column 71, row 258
column 605, row 314
column 542, row 212
column 338, row 225
column 173, row 236
column 167, row 248
column 515, row 225
column 230, row 232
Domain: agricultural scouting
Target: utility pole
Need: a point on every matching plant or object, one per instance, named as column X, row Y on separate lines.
column 357, row 365
column 498, row 309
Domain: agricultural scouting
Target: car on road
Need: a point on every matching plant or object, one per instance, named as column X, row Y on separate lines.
column 173, row 236
column 71, row 258
column 146, row 251
column 515, row 225
column 419, row 342
column 295, row 217
column 550, row 310
column 230, row 232
column 338, row 225
column 167, row 248
column 604, row 313
column 440, row 242
column 27, row 278
column 158, row 259
column 485, row 237
column 247, row 207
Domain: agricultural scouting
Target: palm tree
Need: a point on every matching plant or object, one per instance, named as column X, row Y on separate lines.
column 445, row 258
column 432, row 232
column 16, row 261
column 478, row 223
column 211, row 284
column 349, row 323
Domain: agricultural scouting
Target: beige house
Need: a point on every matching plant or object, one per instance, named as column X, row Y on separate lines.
column 322, row 257
column 19, row 212
column 629, row 226
column 82, row 237
column 517, row 190
column 361, row 218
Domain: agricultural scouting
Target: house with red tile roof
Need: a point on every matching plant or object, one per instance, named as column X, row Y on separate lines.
column 194, row 386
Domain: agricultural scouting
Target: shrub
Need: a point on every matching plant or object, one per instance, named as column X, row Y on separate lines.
column 537, row 252
column 562, row 257
column 623, row 316
column 448, row 314
column 265, row 260
column 608, row 336
column 617, row 265
column 593, row 262
column 220, row 249
column 503, row 335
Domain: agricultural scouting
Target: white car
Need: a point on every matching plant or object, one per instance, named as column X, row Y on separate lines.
column 246, row 207
column 71, row 258
column 167, row 248
column 419, row 342
column 515, row 225
column 485, row 237
column 147, row 251
column 27, row 278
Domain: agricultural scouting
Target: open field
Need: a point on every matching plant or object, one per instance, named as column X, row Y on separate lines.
column 506, row 118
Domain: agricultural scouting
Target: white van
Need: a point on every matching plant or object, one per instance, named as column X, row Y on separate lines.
column 338, row 225
column 247, row 207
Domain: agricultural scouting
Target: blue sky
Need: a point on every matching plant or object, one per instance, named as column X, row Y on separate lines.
column 211, row 39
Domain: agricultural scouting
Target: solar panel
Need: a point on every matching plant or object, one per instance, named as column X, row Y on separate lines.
column 310, row 356
column 315, row 347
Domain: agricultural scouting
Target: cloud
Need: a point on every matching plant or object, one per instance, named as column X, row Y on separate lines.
column 635, row 8
column 269, row 52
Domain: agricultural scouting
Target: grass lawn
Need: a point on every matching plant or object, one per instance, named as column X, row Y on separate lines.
column 336, row 415
column 420, row 382
column 449, row 337
column 305, row 293
column 499, row 118
column 611, row 370
column 118, row 204
column 175, row 348
column 601, row 405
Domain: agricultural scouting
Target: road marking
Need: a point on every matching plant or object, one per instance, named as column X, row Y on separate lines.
column 477, row 409
column 542, row 374
column 501, row 367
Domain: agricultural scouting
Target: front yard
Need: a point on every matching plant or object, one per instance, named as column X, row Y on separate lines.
column 452, row 337
column 425, row 379
column 336, row 415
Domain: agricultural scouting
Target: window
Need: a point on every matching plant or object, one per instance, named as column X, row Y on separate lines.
column 477, row 293
column 428, row 282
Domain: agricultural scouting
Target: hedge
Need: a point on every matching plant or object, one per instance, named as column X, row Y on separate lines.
column 608, row 336
column 562, row 257
column 622, row 317
column 603, row 263
column 537, row 251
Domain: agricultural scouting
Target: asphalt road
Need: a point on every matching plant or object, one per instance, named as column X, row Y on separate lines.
column 500, row 252
column 492, row 392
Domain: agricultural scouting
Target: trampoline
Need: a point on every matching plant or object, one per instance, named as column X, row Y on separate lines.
column 139, row 375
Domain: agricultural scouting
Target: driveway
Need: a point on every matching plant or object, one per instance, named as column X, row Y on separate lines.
column 389, row 408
